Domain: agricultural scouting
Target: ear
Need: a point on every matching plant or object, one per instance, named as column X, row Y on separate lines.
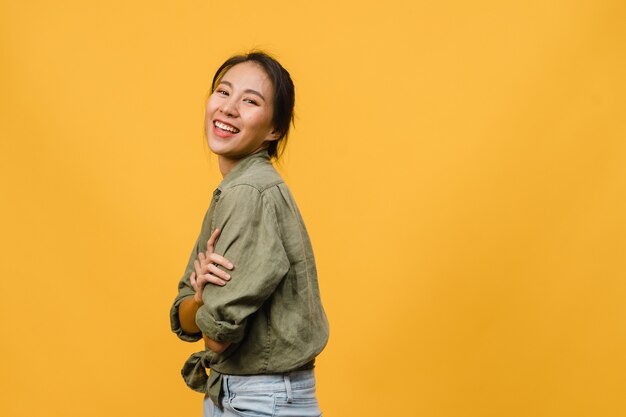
column 273, row 135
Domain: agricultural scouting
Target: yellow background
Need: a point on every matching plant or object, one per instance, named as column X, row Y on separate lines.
column 460, row 167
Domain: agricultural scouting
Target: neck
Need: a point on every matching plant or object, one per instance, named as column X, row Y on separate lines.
column 227, row 164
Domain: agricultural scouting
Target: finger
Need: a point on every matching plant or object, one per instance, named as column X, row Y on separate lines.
column 218, row 272
column 193, row 281
column 212, row 279
column 203, row 261
column 198, row 269
column 210, row 245
column 220, row 260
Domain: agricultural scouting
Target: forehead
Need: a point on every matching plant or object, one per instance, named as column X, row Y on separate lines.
column 249, row 75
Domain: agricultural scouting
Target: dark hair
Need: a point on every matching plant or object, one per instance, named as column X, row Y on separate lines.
column 284, row 93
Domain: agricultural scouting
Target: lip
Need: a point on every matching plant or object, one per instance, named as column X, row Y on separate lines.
column 226, row 123
column 224, row 134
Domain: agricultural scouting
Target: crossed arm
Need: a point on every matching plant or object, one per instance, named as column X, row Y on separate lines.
column 206, row 271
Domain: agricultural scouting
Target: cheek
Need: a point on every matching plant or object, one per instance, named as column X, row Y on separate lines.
column 209, row 111
column 211, row 105
column 261, row 119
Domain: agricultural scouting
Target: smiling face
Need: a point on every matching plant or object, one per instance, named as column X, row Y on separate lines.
column 238, row 118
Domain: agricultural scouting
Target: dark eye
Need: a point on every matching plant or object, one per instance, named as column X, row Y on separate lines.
column 249, row 100
column 222, row 92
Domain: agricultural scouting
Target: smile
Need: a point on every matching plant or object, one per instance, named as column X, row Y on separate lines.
column 225, row 127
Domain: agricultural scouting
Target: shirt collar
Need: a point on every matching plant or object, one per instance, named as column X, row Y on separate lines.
column 242, row 166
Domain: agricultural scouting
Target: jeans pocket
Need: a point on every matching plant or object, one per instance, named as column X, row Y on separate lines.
column 303, row 403
column 252, row 405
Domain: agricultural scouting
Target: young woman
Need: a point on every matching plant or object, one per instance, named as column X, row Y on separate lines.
column 261, row 319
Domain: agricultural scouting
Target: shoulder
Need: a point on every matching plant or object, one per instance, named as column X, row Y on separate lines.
column 248, row 201
column 259, row 177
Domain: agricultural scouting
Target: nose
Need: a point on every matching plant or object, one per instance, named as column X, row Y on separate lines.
column 229, row 108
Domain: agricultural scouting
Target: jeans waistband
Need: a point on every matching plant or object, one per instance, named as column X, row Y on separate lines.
column 269, row 382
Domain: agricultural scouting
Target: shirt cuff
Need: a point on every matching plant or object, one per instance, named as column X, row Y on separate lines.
column 175, row 321
column 219, row 330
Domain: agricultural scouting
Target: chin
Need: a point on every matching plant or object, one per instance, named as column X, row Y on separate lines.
column 216, row 146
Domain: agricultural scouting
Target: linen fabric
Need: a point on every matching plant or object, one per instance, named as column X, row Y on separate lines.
column 271, row 309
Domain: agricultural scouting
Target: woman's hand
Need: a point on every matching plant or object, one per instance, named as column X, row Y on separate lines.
column 207, row 269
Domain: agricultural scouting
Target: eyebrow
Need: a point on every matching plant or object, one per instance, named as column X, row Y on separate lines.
column 249, row 90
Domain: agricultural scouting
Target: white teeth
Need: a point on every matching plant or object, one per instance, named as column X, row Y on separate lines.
column 224, row 126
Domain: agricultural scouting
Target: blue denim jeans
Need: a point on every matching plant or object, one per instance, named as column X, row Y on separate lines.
column 284, row 395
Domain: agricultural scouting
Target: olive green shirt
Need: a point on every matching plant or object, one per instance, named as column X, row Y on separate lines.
column 270, row 310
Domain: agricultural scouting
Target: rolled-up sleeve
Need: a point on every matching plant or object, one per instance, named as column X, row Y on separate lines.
column 186, row 290
column 250, row 239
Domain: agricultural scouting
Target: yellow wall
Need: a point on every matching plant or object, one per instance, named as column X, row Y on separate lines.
column 461, row 167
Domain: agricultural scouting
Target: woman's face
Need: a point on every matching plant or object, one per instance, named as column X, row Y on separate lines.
column 238, row 119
